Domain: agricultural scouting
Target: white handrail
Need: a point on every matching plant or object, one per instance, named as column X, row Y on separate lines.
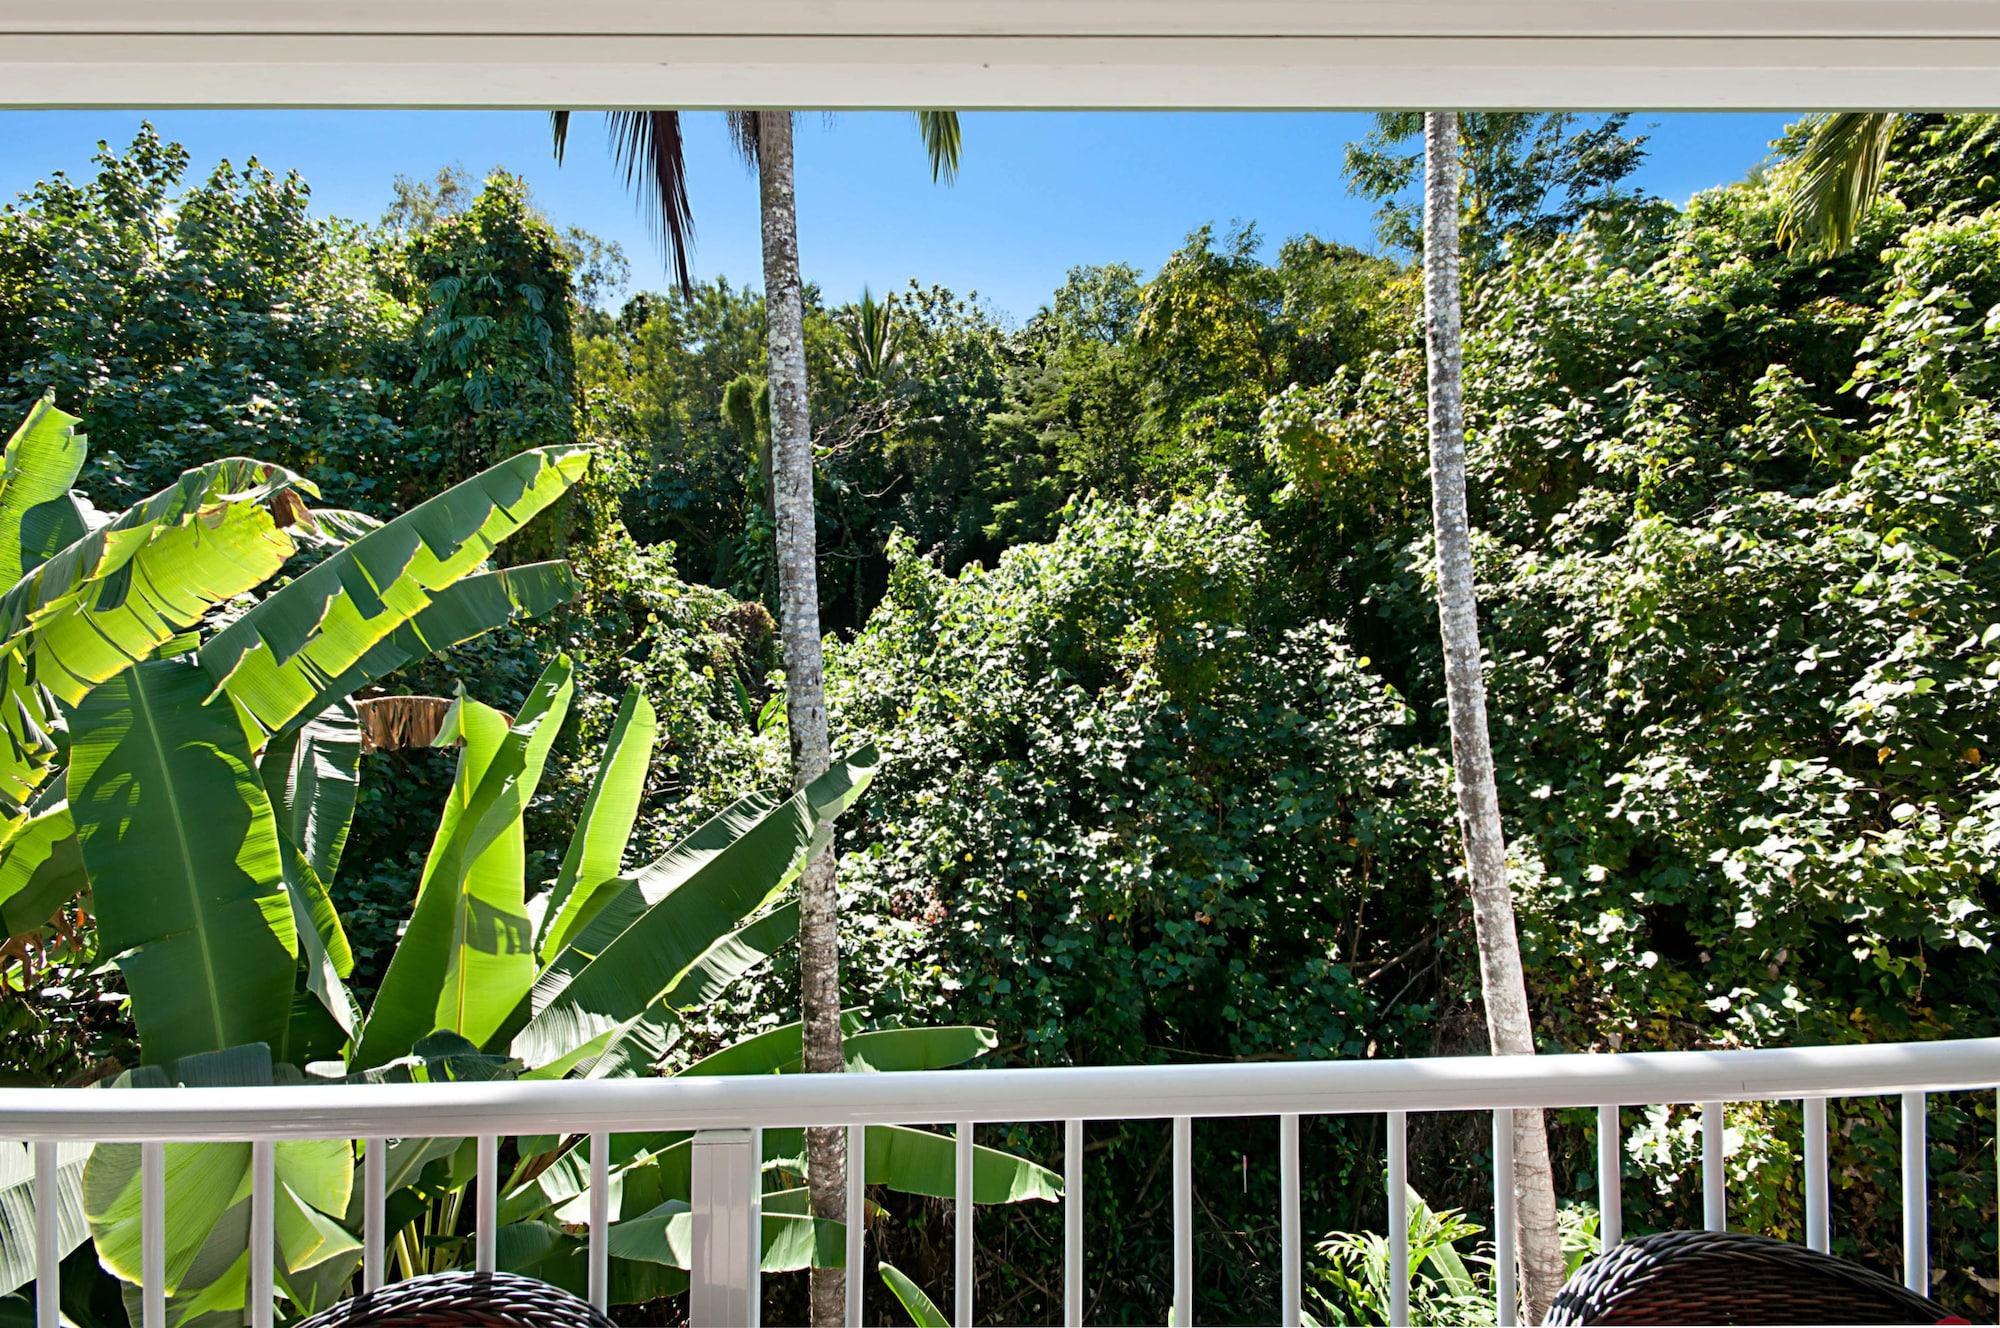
column 1149, row 1092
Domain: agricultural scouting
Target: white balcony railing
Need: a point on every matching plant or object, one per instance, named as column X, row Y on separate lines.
column 727, row 1113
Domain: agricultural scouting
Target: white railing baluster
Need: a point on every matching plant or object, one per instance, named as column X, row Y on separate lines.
column 961, row 1232
column 1183, row 1221
column 486, row 1186
column 153, row 1235
column 1819, row 1225
column 1916, row 1197
column 1714, row 1181
column 753, row 1277
column 1288, row 1221
column 599, row 1282
column 374, row 1212
column 1399, row 1218
column 1610, row 1177
column 263, row 1200
column 1506, row 1228
column 724, row 1181
column 857, row 1217
column 1073, row 1222
column 48, row 1245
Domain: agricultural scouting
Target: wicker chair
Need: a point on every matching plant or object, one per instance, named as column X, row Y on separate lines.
column 1712, row 1277
column 462, row 1300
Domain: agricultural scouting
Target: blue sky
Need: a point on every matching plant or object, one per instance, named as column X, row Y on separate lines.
column 1038, row 192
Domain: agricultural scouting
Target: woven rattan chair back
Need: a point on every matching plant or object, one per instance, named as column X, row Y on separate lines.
column 1710, row 1277
column 462, row 1300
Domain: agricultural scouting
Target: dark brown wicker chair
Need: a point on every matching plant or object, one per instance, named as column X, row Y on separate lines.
column 1712, row 1277
column 462, row 1300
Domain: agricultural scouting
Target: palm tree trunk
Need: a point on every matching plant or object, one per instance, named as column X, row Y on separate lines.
column 1502, row 984
column 805, row 683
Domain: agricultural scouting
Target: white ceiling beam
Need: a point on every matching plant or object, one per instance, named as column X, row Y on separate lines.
column 1327, row 54
column 1024, row 18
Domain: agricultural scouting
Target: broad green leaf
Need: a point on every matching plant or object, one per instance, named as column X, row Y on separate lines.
column 178, row 835
column 42, row 461
column 208, row 1189
column 468, row 955
column 456, row 614
column 42, row 869
column 275, row 659
column 202, row 1183
column 912, row 1161
column 17, row 1208
column 116, row 595
column 637, row 1045
column 311, row 776
column 780, row 1050
column 791, row 1242
column 695, row 895
column 922, row 1311
column 597, row 849
column 934, row 1048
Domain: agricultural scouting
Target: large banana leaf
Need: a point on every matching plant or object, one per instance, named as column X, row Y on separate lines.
column 597, row 848
column 208, row 1191
column 694, row 896
column 468, row 955
column 311, row 774
column 461, row 611
column 791, row 1242
column 640, row 1044
column 42, row 869
column 923, row 1311
column 182, row 849
column 17, row 1208
column 112, row 597
column 913, row 1161
column 42, row 461
column 115, row 595
column 275, row 660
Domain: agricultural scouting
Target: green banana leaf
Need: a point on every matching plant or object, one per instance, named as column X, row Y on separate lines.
column 208, row 1191
column 111, row 598
column 311, row 775
column 117, row 594
column 791, row 1242
column 923, row 1312
column 695, row 895
column 42, row 869
column 17, row 1208
column 274, row 659
column 913, row 1161
column 468, row 956
column 597, row 848
column 458, row 613
column 42, row 460
column 550, row 1254
column 178, row 836
column 780, row 1050
column 639, row 1044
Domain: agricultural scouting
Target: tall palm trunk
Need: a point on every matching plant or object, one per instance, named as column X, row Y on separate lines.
column 1501, row 982
column 805, row 683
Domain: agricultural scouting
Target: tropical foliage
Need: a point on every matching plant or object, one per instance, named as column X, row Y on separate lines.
column 1135, row 599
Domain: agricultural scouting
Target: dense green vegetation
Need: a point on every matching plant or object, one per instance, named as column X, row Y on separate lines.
column 1133, row 598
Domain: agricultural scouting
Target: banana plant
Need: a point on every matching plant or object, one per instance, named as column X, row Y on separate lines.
column 594, row 976
column 92, row 602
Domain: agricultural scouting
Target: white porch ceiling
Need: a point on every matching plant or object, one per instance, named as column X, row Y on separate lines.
column 1334, row 54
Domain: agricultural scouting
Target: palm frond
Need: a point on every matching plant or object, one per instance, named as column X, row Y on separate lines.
column 941, row 142
column 1839, row 175
column 647, row 145
column 743, row 133
column 559, row 132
